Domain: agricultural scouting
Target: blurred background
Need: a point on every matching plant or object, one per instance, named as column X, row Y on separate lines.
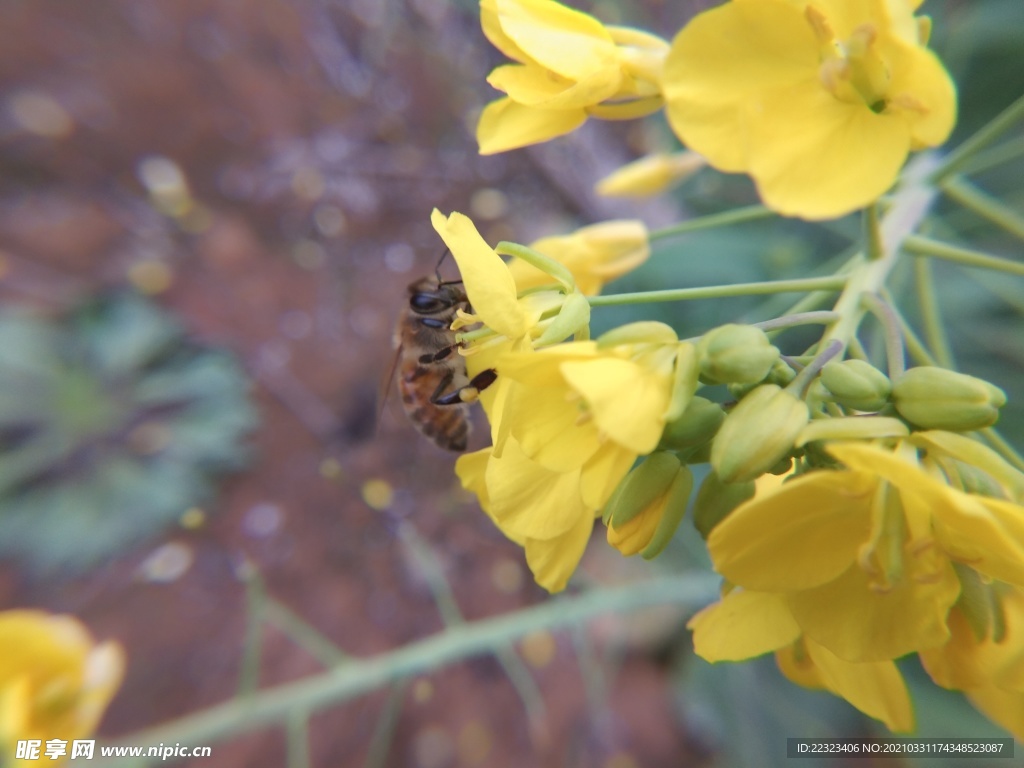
column 209, row 213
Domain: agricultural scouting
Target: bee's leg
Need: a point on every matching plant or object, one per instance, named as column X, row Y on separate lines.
column 438, row 356
column 466, row 394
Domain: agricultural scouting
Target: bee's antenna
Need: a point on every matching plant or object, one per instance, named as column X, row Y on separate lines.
column 437, row 270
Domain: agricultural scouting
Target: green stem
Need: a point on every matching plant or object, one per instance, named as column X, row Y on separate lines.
column 380, row 742
column 1006, row 152
column 802, row 381
column 298, row 740
column 873, row 245
column 974, row 199
column 924, row 246
column 444, row 598
column 894, row 353
column 711, row 221
column 303, row 634
column 989, row 133
column 275, row 703
column 934, row 331
column 993, row 438
column 778, row 324
column 252, row 646
column 544, row 263
column 915, row 347
column 833, row 283
column 909, row 206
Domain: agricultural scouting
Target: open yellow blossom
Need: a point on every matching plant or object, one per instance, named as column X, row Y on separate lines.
column 746, row 624
column 819, row 101
column 574, row 418
column 568, row 66
column 55, row 682
column 865, row 555
column 595, row 255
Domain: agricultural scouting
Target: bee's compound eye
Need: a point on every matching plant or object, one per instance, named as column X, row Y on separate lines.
column 425, row 303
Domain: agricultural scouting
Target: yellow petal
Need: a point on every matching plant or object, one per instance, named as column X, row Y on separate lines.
column 859, row 624
column 491, row 25
column 533, row 86
column 602, row 473
column 1000, row 706
column 875, row 688
column 987, row 534
column 721, row 63
column 528, row 501
column 743, row 625
column 816, row 157
column 568, row 42
column 490, row 287
column 918, row 73
column 505, row 125
column 804, row 534
column 552, row 562
column 628, row 403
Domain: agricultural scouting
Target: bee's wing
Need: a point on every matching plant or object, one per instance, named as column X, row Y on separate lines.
column 387, row 385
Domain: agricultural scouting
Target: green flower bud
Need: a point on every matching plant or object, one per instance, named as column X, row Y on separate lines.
column 758, row 433
column 698, row 424
column 640, row 487
column 641, row 332
column 646, row 508
column 716, row 499
column 684, row 380
column 735, row 354
column 856, row 384
column 572, row 318
column 936, row 398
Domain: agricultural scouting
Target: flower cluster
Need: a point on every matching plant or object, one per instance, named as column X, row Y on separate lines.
column 819, row 102
column 55, row 682
column 894, row 532
column 855, row 514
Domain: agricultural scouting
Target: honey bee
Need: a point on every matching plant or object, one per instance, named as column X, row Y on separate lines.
column 432, row 378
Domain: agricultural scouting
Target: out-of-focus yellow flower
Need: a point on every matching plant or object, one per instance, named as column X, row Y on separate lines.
column 985, row 654
column 819, row 102
column 746, row 624
column 55, row 682
column 595, row 255
column 650, row 175
column 864, row 556
column 569, row 66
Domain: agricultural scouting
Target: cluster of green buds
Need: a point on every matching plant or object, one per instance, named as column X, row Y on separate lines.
column 781, row 413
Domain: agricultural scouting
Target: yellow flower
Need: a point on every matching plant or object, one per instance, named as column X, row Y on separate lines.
column 746, row 624
column 569, row 66
column 864, row 556
column 572, row 420
column 985, row 658
column 819, row 102
column 650, row 175
column 595, row 255
column 55, row 682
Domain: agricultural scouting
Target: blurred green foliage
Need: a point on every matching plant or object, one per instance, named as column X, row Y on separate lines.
column 112, row 424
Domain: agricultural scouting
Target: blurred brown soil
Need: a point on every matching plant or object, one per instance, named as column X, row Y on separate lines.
column 315, row 138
